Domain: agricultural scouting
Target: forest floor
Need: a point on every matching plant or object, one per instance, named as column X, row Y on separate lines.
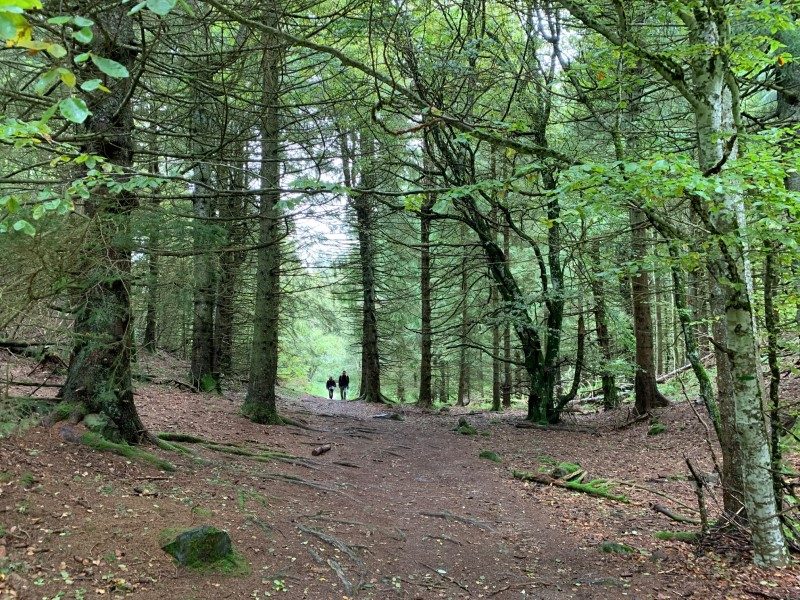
column 397, row 509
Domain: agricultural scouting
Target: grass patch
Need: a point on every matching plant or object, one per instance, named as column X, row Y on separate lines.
column 18, row 414
column 27, row 480
column 656, row 428
column 489, row 455
column 616, row 548
column 98, row 442
column 688, row 537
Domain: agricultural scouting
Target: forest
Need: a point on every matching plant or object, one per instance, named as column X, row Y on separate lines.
column 399, row 299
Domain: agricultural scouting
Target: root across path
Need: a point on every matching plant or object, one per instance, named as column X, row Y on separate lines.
column 391, row 509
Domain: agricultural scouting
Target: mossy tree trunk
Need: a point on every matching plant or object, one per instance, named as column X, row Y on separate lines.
column 99, row 375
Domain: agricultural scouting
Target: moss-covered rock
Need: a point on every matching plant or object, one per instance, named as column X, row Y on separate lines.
column 464, row 427
column 205, row 548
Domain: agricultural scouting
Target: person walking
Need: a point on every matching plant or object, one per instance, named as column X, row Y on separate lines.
column 331, row 385
column 344, row 382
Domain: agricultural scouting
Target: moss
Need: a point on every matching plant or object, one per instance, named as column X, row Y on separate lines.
column 616, row 548
column 102, row 444
column 202, row 512
column 464, row 427
column 187, row 438
column 65, row 410
column 489, row 455
column 233, row 564
column 597, row 487
column 677, row 536
column 656, row 428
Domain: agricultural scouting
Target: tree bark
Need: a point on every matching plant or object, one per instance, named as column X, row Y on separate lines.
column 260, row 402
column 201, row 371
column 425, row 399
column 363, row 203
column 99, row 375
column 645, row 388
column 609, row 385
column 507, row 376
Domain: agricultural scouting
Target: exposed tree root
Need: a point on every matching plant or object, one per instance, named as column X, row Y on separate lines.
column 336, row 543
column 224, row 447
column 98, row 442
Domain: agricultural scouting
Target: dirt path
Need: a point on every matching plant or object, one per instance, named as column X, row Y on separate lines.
column 397, row 509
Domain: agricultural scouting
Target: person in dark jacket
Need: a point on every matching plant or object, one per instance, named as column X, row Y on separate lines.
column 331, row 385
column 344, row 381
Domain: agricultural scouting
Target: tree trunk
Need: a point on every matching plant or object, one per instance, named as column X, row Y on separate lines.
column 715, row 111
column 647, row 395
column 201, row 372
column 609, row 385
column 463, row 366
column 259, row 404
column 150, row 337
column 99, row 375
column 496, row 400
column 363, row 202
column 233, row 213
column 425, row 399
column 507, row 380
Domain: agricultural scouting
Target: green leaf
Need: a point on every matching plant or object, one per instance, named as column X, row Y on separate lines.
column 81, row 58
column 23, row 4
column 63, row 20
column 137, row 8
column 110, row 67
column 91, row 85
column 46, row 81
column 9, row 25
column 161, row 7
column 83, row 35
column 56, row 50
column 73, row 109
column 67, row 77
column 25, row 227
column 82, row 22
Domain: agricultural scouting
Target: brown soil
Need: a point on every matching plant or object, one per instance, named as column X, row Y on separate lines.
column 397, row 509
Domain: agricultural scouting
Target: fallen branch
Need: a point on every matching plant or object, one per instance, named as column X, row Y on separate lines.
column 591, row 488
column 321, row 449
column 674, row 516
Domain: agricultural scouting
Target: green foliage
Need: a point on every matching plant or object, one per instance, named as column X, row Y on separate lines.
column 656, row 428
column 616, row 548
column 689, row 537
column 18, row 414
column 489, row 455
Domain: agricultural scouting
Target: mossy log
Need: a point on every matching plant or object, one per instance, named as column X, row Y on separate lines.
column 597, row 487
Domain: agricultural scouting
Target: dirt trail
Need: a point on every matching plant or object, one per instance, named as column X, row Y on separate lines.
column 397, row 509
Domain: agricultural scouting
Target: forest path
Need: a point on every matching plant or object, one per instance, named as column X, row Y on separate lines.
column 396, row 509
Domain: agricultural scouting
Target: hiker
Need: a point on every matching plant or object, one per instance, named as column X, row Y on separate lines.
column 344, row 381
column 331, row 385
